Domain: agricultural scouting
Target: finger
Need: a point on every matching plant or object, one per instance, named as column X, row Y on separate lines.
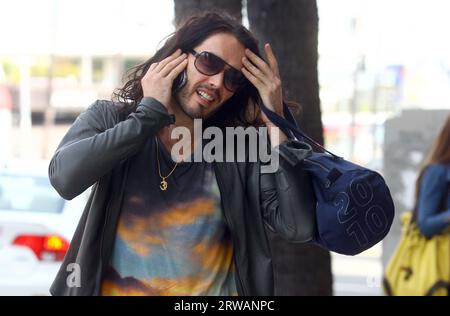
column 261, row 64
column 167, row 60
column 272, row 59
column 254, row 71
column 255, row 81
column 177, row 70
column 152, row 66
column 170, row 66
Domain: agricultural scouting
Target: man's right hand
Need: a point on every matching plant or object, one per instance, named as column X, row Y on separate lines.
column 158, row 80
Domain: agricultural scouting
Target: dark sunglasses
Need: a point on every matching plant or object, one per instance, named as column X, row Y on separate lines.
column 209, row 64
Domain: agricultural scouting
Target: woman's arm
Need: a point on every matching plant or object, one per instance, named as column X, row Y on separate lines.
column 433, row 189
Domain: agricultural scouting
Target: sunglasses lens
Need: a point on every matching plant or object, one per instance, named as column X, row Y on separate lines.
column 233, row 79
column 209, row 64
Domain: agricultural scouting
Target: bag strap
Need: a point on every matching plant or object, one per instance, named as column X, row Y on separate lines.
column 289, row 126
column 410, row 226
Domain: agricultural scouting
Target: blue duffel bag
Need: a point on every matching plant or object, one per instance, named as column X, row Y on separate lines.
column 354, row 208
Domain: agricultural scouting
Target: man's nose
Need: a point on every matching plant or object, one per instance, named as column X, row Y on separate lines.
column 216, row 80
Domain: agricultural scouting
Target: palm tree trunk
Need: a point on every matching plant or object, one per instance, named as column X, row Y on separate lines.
column 291, row 27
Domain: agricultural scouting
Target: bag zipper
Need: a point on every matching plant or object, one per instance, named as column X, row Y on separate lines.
column 327, row 182
column 318, row 164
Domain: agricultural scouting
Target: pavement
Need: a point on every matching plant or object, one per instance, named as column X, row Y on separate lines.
column 359, row 275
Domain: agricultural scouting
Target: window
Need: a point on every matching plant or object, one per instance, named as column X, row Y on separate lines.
column 28, row 194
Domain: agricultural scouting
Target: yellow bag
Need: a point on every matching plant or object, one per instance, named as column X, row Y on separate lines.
column 419, row 266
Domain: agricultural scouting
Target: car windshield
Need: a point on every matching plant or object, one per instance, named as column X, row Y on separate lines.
column 28, row 194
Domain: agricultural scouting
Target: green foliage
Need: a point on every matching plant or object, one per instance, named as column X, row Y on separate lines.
column 40, row 67
column 66, row 67
column 12, row 71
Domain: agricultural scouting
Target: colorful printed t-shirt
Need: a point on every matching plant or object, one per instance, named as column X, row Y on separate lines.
column 173, row 242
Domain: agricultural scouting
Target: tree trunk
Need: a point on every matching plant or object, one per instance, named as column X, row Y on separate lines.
column 184, row 8
column 291, row 27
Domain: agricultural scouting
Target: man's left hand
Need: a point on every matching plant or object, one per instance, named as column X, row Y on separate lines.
column 266, row 78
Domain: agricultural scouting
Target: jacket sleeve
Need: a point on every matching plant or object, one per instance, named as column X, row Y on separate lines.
column 433, row 189
column 287, row 199
column 98, row 141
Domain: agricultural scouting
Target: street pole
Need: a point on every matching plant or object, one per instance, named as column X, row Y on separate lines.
column 24, row 105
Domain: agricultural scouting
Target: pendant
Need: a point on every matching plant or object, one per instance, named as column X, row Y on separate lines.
column 163, row 184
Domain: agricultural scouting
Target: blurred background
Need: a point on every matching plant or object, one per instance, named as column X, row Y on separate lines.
column 383, row 91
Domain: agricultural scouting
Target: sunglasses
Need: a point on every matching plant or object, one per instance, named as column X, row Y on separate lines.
column 209, row 64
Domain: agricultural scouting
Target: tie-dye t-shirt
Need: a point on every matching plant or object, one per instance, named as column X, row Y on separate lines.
column 173, row 242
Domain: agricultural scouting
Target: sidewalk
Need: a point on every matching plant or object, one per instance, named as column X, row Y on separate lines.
column 359, row 275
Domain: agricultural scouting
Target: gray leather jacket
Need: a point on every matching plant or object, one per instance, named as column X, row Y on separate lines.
column 95, row 152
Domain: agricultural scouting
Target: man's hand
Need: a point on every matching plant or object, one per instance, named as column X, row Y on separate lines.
column 266, row 78
column 158, row 80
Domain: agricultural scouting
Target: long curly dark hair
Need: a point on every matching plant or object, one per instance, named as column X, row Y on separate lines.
column 242, row 108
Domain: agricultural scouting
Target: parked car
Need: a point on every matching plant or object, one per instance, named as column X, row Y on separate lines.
column 36, row 226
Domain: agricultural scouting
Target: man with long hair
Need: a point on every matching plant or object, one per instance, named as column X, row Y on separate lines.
column 158, row 226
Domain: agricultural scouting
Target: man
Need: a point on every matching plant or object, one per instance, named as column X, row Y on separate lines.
column 156, row 226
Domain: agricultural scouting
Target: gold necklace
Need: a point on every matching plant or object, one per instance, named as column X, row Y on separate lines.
column 163, row 183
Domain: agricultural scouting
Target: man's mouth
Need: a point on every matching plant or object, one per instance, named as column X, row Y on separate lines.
column 205, row 95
